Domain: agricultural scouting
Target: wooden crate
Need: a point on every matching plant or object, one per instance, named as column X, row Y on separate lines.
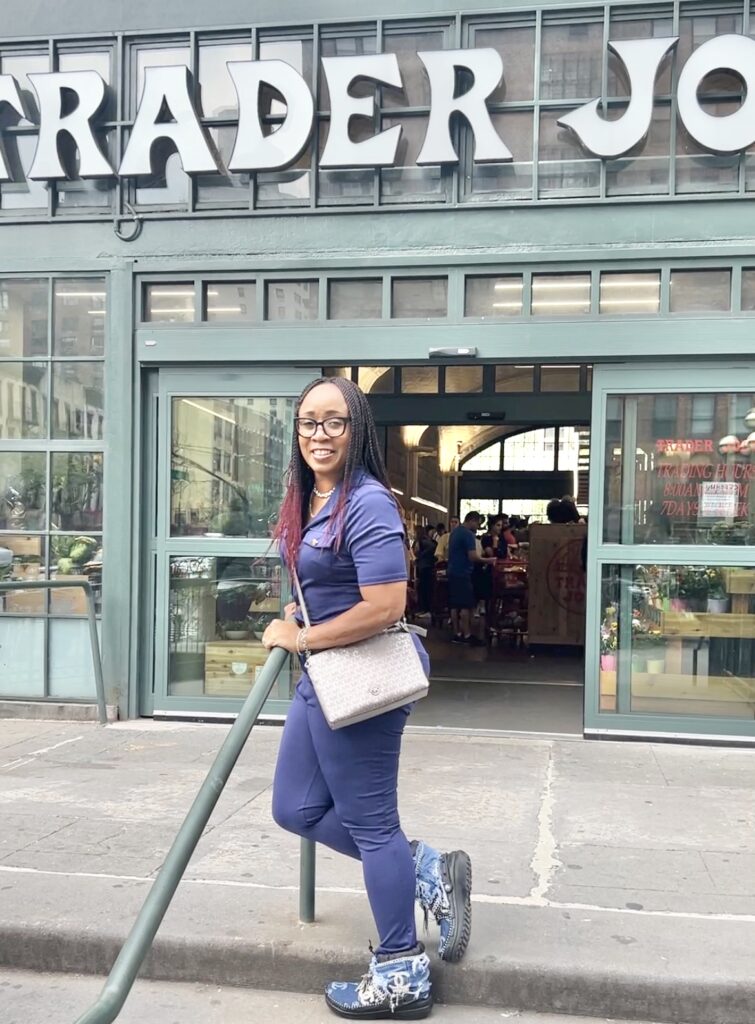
column 703, row 624
column 556, row 584
column 22, row 545
column 739, row 581
column 31, row 602
column 67, row 601
column 230, row 666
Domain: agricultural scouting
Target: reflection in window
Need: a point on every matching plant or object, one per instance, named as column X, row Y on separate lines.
column 514, row 378
column 419, row 380
column 416, row 86
column 645, row 169
column 748, row 288
column 79, row 317
column 513, row 179
column 23, row 317
column 700, row 291
column 630, row 293
column 376, row 380
column 23, row 491
column 681, row 639
column 229, row 457
column 291, row 300
column 559, row 378
column 76, row 491
column 463, row 380
column 78, row 400
column 489, row 295
column 517, row 48
column 217, row 93
column 19, row 193
column 23, row 400
column 560, row 294
column 419, row 297
column 571, row 61
column 226, row 301
column 346, row 46
column 355, row 299
column 291, row 186
column 169, row 303
column 698, row 170
column 564, row 167
column 23, row 558
column 406, row 182
column 624, row 25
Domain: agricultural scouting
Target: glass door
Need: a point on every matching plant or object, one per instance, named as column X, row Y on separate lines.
column 671, row 619
column 223, row 446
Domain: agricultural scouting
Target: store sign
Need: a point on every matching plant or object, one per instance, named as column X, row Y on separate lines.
column 70, row 104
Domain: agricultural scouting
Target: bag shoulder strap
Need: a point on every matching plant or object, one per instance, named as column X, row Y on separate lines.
column 300, row 598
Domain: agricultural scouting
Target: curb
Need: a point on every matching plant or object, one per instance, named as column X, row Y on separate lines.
column 598, row 991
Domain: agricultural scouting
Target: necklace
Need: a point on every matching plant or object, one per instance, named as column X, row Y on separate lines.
column 323, row 494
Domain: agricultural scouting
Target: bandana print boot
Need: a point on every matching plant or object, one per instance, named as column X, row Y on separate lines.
column 396, row 987
column 444, row 888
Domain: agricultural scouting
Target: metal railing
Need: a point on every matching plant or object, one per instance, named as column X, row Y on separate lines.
column 139, row 941
column 94, row 639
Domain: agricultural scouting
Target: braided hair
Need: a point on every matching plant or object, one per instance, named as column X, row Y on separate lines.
column 363, row 453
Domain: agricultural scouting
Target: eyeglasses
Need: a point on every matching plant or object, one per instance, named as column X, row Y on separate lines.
column 334, row 426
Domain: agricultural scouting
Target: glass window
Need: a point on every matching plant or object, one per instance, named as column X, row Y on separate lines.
column 698, row 170
column 20, row 193
column 216, row 90
column 80, row 316
column 564, row 167
column 690, row 486
column 291, row 300
column 700, row 291
column 23, row 491
column 354, row 45
column 645, row 169
column 514, row 378
column 24, row 317
column 337, row 371
column 76, row 491
column 681, row 636
column 376, row 380
column 419, row 380
column 352, row 186
column 533, row 450
column 78, row 400
column 627, row 26
column 419, row 297
column 560, row 294
column 485, row 506
column 406, row 182
column 511, row 180
column 228, row 465
column 78, row 557
column 487, row 459
column 225, row 300
column 491, row 295
column 571, row 61
column 748, row 288
column 22, row 558
column 23, row 400
column 219, row 608
column 559, row 378
column 78, row 192
column 352, row 299
column 516, row 45
column 630, row 293
column 169, row 303
column 416, row 86
column 157, row 57
column 463, row 380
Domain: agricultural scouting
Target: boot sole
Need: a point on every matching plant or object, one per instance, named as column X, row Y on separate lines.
column 417, row 1010
column 460, row 876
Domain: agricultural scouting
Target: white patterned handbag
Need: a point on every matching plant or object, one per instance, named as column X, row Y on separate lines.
column 367, row 678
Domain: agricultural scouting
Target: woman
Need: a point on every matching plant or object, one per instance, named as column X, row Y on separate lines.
column 424, row 565
column 340, row 530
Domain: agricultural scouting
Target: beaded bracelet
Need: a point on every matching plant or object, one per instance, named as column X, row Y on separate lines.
column 301, row 642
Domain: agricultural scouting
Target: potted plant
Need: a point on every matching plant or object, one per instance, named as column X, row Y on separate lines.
column 609, row 640
column 692, row 583
column 236, row 630
column 718, row 599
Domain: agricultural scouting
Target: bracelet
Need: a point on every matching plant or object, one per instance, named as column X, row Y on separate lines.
column 301, row 643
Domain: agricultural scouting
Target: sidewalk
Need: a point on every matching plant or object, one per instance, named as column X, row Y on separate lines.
column 612, row 880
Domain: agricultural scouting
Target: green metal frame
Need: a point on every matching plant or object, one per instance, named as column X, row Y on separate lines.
column 659, row 380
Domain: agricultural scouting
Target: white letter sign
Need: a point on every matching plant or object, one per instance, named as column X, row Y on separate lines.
column 487, row 67
column 89, row 88
column 730, row 133
column 341, row 73
column 10, row 94
column 170, row 87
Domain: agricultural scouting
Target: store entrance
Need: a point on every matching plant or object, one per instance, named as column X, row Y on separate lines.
column 509, row 455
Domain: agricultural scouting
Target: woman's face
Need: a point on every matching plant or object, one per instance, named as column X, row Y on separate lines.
column 497, row 528
column 325, row 455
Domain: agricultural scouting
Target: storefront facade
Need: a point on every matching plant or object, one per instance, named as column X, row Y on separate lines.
column 150, row 315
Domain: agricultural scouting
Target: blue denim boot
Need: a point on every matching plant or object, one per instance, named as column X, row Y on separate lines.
column 396, row 987
column 444, row 889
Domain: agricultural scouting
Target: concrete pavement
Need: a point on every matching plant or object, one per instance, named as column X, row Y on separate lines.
column 611, row 880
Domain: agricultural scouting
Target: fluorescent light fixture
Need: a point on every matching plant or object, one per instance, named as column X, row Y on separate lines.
column 224, row 309
column 560, row 285
column 507, row 305
column 629, row 302
column 169, row 293
column 509, row 286
column 165, row 309
column 96, row 312
column 563, row 304
column 430, row 504
column 79, row 295
column 397, row 491
column 655, row 285
column 210, row 412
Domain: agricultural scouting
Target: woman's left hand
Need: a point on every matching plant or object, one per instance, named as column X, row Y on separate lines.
column 281, row 633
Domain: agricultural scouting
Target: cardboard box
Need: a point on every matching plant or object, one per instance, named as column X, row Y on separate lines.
column 231, row 667
column 29, row 602
column 71, row 601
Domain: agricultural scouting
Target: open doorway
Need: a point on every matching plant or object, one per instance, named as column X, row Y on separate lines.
column 504, row 441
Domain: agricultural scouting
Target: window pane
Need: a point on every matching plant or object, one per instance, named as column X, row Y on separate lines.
column 346, row 46
column 226, row 188
column 218, row 610
column 630, row 293
column 169, row 184
column 23, row 400
column 20, row 193
column 571, row 62
column 514, row 378
column 337, row 371
column 416, row 86
column 79, row 321
column 517, row 48
column 564, row 167
column 493, row 296
column 559, row 378
column 698, row 170
column 748, row 289
column 355, row 299
column 419, row 297
column 79, row 192
column 227, row 301
column 169, row 303
column 463, row 380
column 78, row 400
column 216, row 91
column 683, row 636
column 692, row 484
column 406, row 182
column 71, row 674
column 22, row 653
column 23, row 491
column 77, row 558
column 560, row 294
column 350, row 186
column 157, row 57
column 419, row 380
column 625, row 26
column 292, row 186
column 23, row 317
column 511, row 180
column 376, row 380
column 76, row 495
column 533, row 450
column 701, row 291
column 487, row 459
column 291, row 300
column 22, row 558
column 228, row 465
column 645, row 169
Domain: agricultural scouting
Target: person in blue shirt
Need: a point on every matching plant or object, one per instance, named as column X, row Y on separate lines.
column 462, row 556
column 341, row 531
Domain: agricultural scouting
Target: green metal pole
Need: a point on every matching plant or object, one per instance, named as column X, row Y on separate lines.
column 307, row 861
column 94, row 643
column 139, row 941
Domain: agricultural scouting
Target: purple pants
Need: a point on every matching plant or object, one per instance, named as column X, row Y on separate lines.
column 338, row 788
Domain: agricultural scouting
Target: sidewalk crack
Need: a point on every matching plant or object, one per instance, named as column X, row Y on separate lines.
column 545, row 860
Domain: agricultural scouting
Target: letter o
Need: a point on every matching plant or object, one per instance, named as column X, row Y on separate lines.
column 731, row 133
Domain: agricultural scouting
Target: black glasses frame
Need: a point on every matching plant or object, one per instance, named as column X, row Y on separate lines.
column 345, row 420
